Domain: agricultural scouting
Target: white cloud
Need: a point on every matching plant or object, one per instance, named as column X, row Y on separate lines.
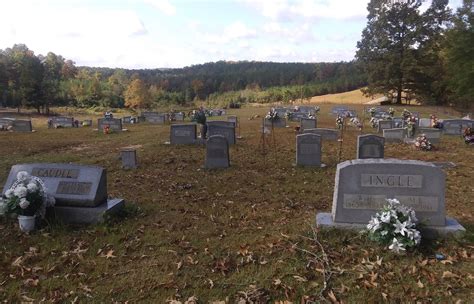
column 233, row 32
column 298, row 33
column 162, row 5
column 284, row 10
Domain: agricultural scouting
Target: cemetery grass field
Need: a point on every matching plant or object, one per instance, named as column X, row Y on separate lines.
column 245, row 233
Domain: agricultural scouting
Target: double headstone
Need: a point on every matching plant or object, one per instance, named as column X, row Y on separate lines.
column 183, row 134
column 362, row 187
column 115, row 124
column 432, row 134
column 217, row 152
column 326, row 134
column 80, row 191
column 370, row 146
column 63, row 122
column 19, row 125
column 308, row 150
column 395, row 134
column 456, row 126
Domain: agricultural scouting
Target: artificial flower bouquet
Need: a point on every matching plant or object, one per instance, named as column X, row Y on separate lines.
column 27, row 196
column 395, row 226
column 422, row 143
column 272, row 115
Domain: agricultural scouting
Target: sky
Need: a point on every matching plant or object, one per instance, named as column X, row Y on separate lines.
column 176, row 33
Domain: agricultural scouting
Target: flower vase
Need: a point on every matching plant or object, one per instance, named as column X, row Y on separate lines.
column 26, row 222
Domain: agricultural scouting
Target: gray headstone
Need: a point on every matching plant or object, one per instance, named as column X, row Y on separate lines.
column 362, row 186
column 338, row 110
column 398, row 122
column 395, row 134
column 224, row 128
column 183, row 134
column 19, row 125
column 217, row 152
column 129, row 158
column 63, row 121
column 71, row 185
column 114, row 124
column 456, row 126
column 308, row 123
column 424, row 123
column 281, row 111
column 277, row 123
column 126, row 119
column 308, row 150
column 296, row 116
column 326, row 134
column 159, row 119
column 179, row 116
column 370, row 146
column 432, row 134
column 385, row 124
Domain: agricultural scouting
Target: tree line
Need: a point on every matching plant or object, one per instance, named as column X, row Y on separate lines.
column 29, row 80
column 428, row 56
column 404, row 54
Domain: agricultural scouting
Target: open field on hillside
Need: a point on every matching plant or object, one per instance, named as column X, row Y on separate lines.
column 243, row 233
column 351, row 97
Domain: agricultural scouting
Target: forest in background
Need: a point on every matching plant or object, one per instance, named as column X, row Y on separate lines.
column 403, row 53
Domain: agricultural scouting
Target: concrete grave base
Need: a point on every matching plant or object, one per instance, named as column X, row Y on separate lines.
column 309, row 167
column 453, row 228
column 88, row 215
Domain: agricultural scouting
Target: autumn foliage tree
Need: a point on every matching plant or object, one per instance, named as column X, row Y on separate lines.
column 136, row 95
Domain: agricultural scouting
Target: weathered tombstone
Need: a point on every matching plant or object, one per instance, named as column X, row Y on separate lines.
column 80, row 191
column 183, row 134
column 19, row 125
column 62, row 122
column 385, row 124
column 424, row 123
column 277, row 123
column 179, row 116
column 126, row 119
column 456, row 126
column 115, row 124
column 308, row 150
column 395, row 134
column 217, row 152
column 363, row 185
column 370, row 146
column 129, row 158
column 224, row 128
column 326, row 134
column 432, row 134
column 308, row 123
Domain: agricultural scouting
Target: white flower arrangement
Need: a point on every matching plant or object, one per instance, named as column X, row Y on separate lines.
column 27, row 196
column 422, row 143
column 272, row 115
column 395, row 226
column 340, row 122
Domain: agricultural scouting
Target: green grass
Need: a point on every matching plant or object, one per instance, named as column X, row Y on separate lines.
column 246, row 232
